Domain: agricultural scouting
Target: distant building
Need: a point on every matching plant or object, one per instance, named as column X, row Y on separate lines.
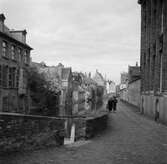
column 111, row 87
column 154, row 58
column 133, row 73
column 60, row 80
column 66, row 92
column 14, row 63
column 78, row 93
column 99, row 79
column 124, row 80
column 101, row 88
column 131, row 93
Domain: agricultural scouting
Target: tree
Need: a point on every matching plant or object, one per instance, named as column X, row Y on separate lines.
column 45, row 100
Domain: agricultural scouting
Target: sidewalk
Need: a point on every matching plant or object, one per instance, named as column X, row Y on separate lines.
column 129, row 139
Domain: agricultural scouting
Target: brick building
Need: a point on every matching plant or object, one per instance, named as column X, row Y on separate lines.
column 14, row 61
column 154, row 58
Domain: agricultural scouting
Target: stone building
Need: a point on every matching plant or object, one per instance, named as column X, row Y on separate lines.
column 101, row 88
column 78, row 93
column 14, row 62
column 66, row 92
column 133, row 73
column 111, row 87
column 154, row 58
column 124, row 80
column 131, row 93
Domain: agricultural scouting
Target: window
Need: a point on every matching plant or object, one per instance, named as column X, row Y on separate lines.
column 13, row 54
column 12, row 78
column 19, row 55
column 161, row 73
column 4, row 76
column 26, row 59
column 5, row 104
column 162, row 16
column 0, row 76
column 17, row 78
column 4, row 49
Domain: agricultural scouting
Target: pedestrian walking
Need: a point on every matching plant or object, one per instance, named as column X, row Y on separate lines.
column 114, row 103
column 110, row 104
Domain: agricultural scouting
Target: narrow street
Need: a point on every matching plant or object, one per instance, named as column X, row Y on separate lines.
column 130, row 139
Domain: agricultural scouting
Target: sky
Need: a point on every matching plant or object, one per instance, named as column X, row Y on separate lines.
column 83, row 34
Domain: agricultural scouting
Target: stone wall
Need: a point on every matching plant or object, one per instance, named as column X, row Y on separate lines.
column 25, row 132
column 89, row 127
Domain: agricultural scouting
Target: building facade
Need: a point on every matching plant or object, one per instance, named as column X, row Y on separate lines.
column 14, row 62
column 111, row 87
column 131, row 93
column 154, row 58
column 124, row 80
column 133, row 73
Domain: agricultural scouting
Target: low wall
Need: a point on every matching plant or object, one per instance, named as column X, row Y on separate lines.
column 25, row 132
column 89, row 127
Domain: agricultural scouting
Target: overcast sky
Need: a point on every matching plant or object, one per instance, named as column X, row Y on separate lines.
column 84, row 34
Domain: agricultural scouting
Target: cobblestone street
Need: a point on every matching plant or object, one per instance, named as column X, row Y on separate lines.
column 130, row 139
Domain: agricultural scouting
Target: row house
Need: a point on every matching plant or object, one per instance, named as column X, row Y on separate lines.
column 14, row 62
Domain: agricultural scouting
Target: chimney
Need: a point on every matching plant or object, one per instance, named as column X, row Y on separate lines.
column 136, row 64
column 2, row 20
column 89, row 75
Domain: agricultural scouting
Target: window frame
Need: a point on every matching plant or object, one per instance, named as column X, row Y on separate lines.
column 4, row 49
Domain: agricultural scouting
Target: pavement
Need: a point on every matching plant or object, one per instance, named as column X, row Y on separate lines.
column 130, row 138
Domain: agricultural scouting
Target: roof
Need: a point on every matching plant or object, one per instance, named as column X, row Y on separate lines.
column 134, row 70
column 98, row 78
column 88, row 80
column 9, row 34
column 65, row 73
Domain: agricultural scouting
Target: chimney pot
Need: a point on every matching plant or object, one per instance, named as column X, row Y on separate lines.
column 2, row 18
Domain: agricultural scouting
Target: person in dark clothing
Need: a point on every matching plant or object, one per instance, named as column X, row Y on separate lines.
column 110, row 104
column 114, row 103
